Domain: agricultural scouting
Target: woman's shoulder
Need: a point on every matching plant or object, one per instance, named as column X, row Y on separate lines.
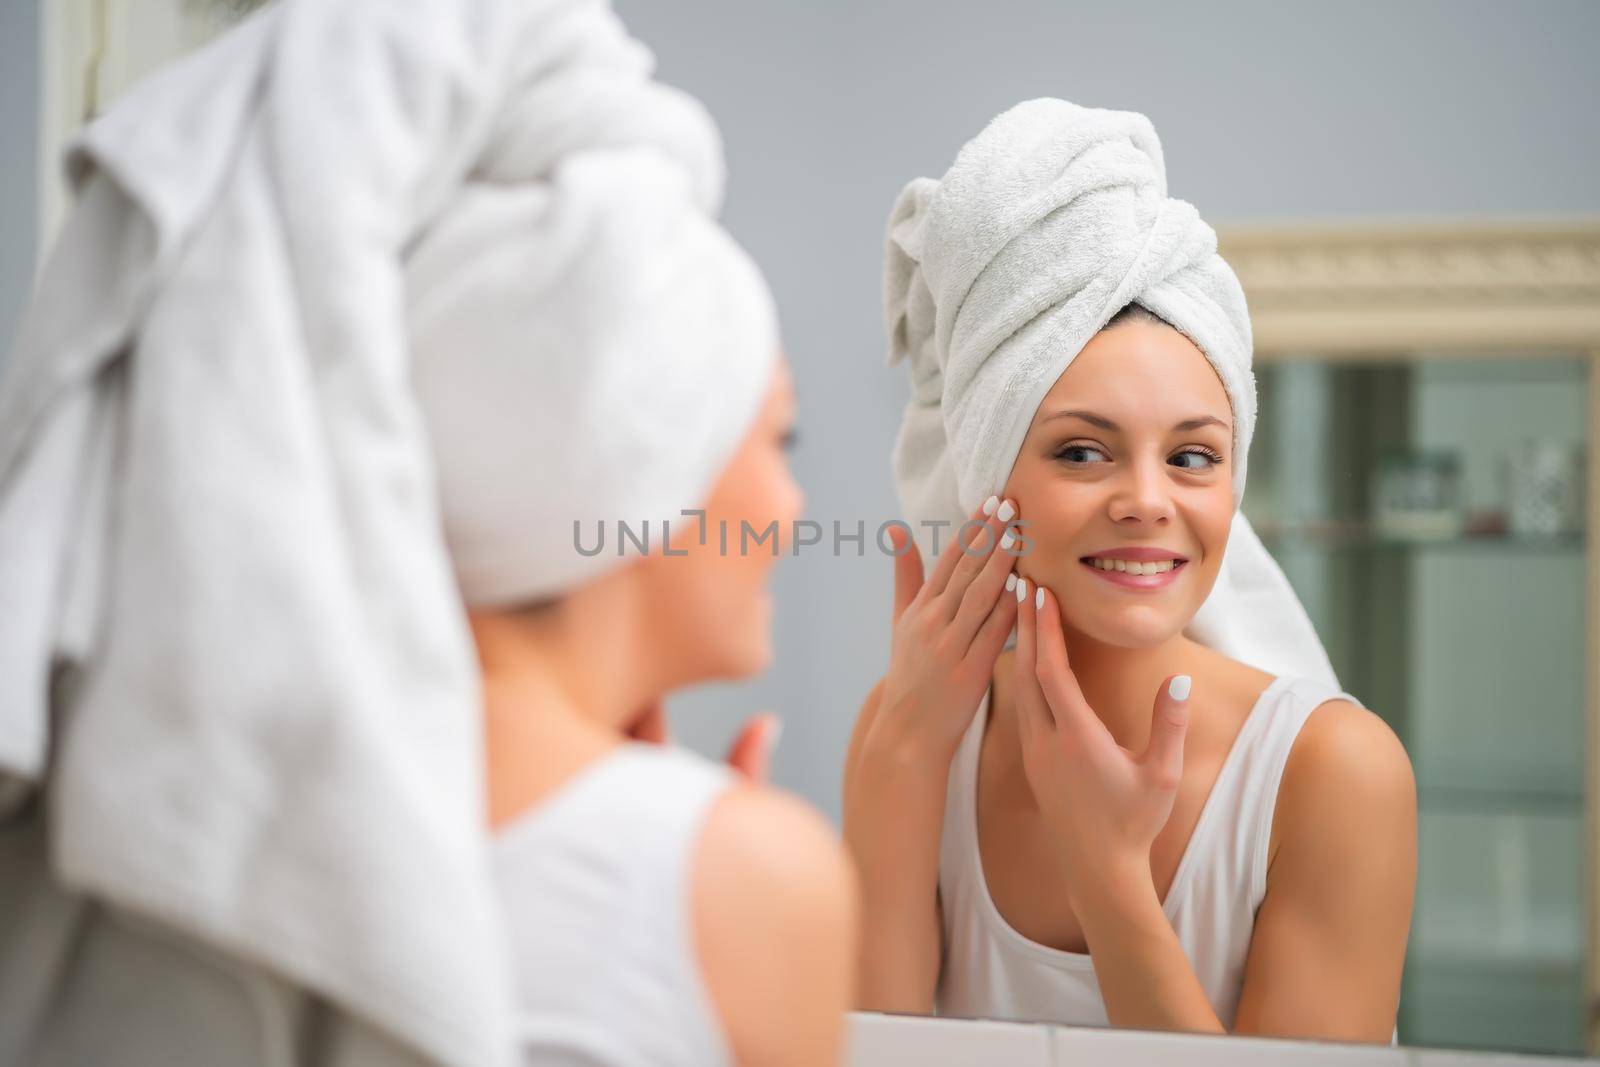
column 1338, row 742
column 771, row 881
column 764, row 850
column 761, row 837
column 1347, row 777
column 1346, row 746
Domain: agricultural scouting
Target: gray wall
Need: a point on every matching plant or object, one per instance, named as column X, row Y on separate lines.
column 19, row 158
column 1267, row 111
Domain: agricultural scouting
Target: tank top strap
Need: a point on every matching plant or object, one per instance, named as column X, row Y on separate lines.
column 1277, row 726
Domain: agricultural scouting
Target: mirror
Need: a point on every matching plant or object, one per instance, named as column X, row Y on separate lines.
column 1425, row 472
column 1382, row 472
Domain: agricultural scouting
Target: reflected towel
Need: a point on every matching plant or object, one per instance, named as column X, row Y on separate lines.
column 1049, row 222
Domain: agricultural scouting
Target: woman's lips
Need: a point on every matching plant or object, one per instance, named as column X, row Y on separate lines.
column 1139, row 582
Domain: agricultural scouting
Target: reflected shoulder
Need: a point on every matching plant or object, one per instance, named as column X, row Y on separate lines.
column 775, row 913
column 1347, row 774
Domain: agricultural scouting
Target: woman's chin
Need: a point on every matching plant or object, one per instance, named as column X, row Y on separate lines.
column 752, row 657
column 1132, row 628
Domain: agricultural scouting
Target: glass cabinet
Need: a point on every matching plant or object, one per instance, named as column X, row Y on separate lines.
column 1395, row 494
column 1424, row 470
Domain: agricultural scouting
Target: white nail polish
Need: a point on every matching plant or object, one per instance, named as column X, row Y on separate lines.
column 990, row 504
column 1038, row 598
column 1007, row 539
column 1022, row 590
column 1179, row 689
column 1008, row 511
column 1011, row 582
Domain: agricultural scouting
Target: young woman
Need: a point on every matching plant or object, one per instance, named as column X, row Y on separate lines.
column 593, row 353
column 1124, row 818
column 662, row 909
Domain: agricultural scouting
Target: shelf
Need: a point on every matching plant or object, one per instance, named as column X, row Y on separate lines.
column 1337, row 536
column 1552, row 962
column 1463, row 800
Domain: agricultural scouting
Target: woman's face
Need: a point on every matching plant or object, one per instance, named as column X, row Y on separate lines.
column 1127, row 467
column 713, row 606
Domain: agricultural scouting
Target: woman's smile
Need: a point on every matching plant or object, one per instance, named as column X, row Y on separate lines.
column 1137, row 569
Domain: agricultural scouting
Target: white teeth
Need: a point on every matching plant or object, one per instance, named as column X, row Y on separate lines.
column 1129, row 566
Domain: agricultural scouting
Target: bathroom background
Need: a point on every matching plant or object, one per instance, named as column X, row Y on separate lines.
column 1421, row 504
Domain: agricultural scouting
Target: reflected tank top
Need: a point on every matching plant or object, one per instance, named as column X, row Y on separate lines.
column 991, row 971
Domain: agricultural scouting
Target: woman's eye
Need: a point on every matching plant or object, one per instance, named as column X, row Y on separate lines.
column 1079, row 454
column 1202, row 460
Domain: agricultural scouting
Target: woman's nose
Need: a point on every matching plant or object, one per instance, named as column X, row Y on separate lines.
column 1142, row 495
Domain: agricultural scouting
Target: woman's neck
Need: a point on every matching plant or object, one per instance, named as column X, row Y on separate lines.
column 578, row 656
column 553, row 702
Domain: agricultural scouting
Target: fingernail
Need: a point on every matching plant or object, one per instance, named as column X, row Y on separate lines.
column 1011, row 582
column 1007, row 539
column 1179, row 689
column 990, row 504
column 1008, row 511
column 777, row 732
column 1038, row 598
column 1022, row 590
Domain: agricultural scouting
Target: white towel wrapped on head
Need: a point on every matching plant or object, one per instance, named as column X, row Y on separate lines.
column 1049, row 222
column 222, row 554
column 588, row 349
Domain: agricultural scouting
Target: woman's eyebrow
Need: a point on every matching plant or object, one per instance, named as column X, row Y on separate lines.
column 1106, row 424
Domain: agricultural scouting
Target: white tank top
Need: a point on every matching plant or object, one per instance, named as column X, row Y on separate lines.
column 595, row 885
column 991, row 971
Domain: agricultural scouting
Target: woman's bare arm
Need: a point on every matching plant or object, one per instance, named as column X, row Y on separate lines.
column 894, row 813
column 948, row 631
column 1330, row 937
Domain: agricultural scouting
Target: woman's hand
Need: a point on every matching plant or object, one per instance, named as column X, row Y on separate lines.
column 1105, row 804
column 948, row 632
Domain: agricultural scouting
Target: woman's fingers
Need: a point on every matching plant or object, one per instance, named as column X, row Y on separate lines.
column 751, row 751
column 981, row 548
column 1033, row 711
column 990, row 639
column 1054, row 671
column 954, row 553
column 988, row 583
column 1169, row 722
column 907, row 569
